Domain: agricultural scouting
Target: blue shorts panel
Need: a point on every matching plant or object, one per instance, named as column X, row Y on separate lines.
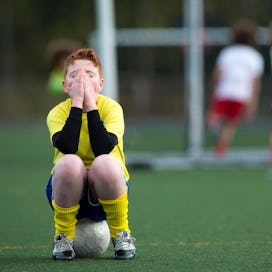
column 92, row 211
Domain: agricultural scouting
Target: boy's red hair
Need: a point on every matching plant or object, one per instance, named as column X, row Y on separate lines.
column 85, row 53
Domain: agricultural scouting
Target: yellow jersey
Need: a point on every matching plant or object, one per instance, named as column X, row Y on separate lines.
column 111, row 114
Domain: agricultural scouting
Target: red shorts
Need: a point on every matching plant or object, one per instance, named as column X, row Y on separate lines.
column 229, row 110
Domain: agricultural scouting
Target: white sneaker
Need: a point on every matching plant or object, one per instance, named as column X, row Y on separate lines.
column 124, row 246
column 63, row 249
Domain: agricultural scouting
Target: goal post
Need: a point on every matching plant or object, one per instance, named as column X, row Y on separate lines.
column 193, row 22
column 106, row 45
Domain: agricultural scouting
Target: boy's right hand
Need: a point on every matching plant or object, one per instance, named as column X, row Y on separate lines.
column 77, row 90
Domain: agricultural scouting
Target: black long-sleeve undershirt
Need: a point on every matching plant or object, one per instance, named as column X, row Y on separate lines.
column 102, row 141
column 66, row 140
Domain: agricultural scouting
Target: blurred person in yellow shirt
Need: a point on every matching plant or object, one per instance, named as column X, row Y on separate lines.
column 56, row 53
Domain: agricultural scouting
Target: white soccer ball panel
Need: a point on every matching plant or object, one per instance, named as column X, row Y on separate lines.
column 91, row 238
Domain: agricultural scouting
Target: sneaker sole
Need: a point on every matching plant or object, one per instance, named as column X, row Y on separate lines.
column 62, row 256
column 125, row 255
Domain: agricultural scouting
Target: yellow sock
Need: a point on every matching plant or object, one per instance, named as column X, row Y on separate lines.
column 117, row 214
column 65, row 220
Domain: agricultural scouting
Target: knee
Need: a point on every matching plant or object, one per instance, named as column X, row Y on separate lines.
column 69, row 166
column 106, row 177
column 106, row 167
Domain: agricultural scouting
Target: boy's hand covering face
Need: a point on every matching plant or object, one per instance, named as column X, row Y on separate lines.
column 83, row 83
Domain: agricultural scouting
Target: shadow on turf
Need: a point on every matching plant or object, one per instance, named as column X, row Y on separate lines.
column 34, row 260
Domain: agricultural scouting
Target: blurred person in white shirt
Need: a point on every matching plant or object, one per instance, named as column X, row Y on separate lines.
column 236, row 85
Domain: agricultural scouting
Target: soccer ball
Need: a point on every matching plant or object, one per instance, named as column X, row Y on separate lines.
column 91, row 238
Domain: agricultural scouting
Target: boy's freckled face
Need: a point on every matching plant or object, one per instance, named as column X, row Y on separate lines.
column 83, row 70
column 82, row 67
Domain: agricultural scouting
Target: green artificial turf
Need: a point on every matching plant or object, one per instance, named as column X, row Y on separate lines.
column 191, row 220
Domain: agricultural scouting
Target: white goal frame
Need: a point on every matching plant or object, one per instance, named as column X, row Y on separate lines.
column 107, row 38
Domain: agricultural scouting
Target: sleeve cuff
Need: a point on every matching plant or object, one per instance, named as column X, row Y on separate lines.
column 93, row 117
column 75, row 113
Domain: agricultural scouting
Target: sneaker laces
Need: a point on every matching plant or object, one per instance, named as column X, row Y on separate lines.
column 124, row 241
column 62, row 243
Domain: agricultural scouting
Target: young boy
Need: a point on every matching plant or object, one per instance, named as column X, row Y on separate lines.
column 89, row 177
